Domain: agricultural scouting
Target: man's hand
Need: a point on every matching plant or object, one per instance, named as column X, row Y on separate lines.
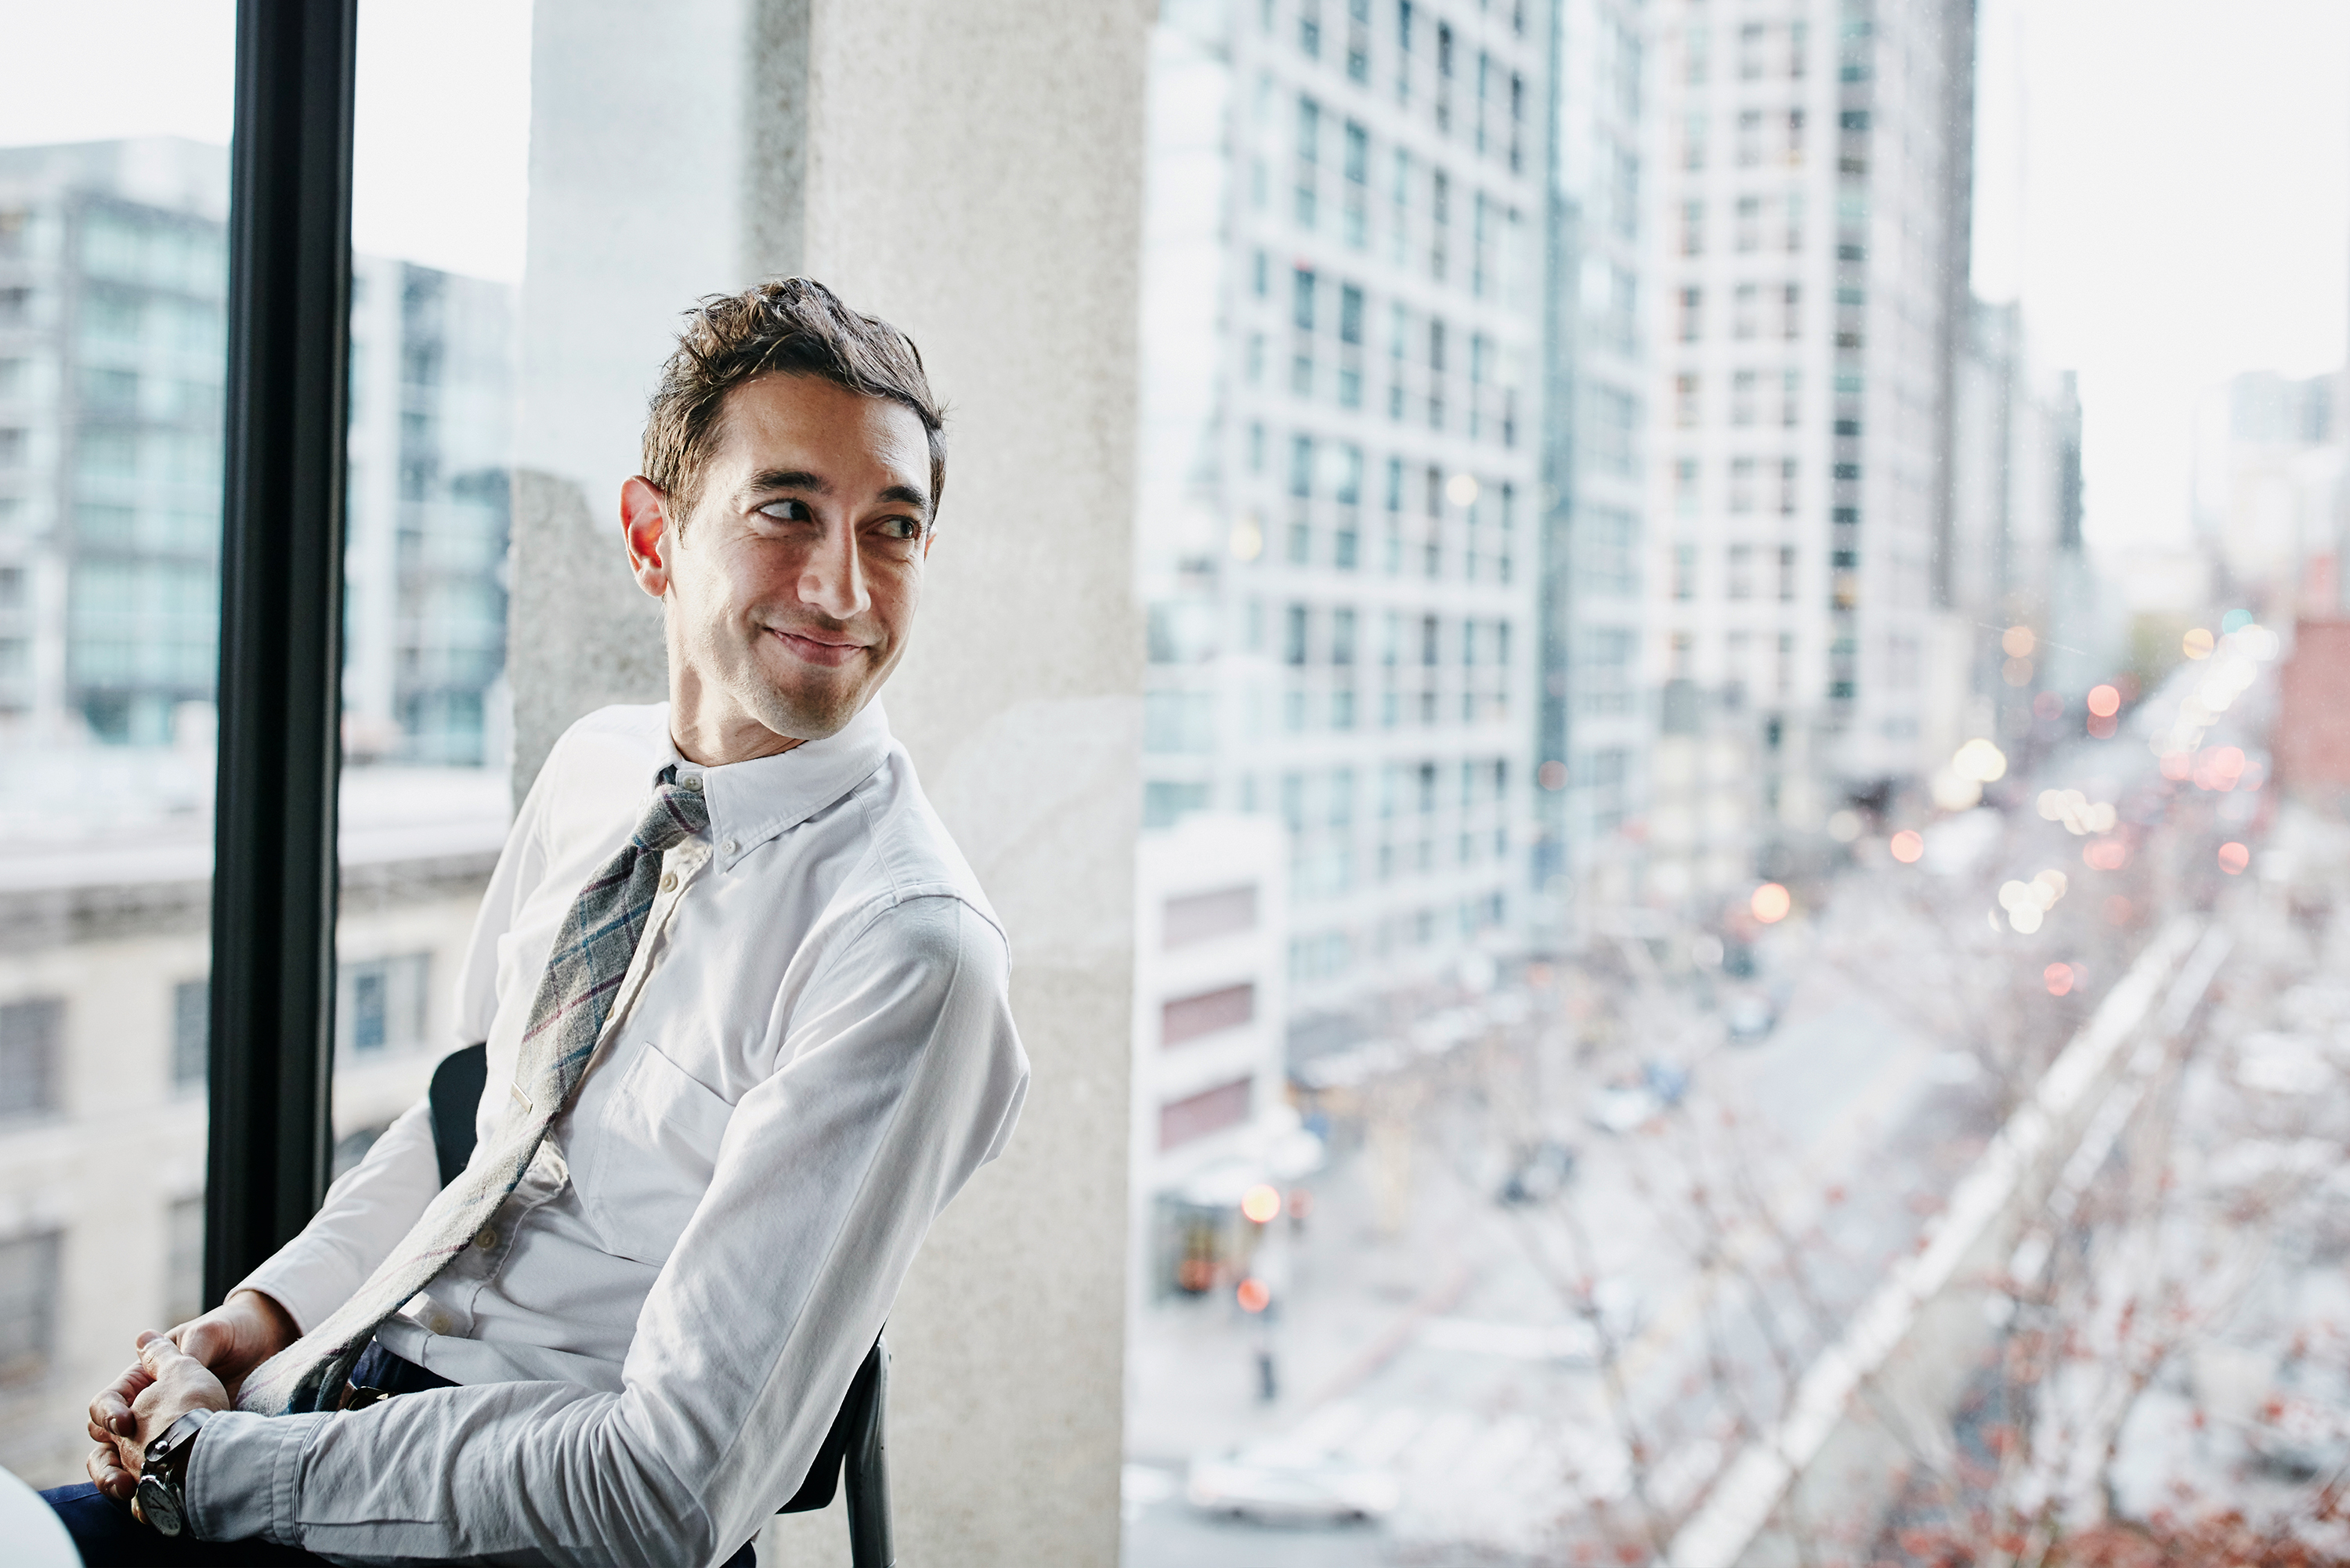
column 227, row 1341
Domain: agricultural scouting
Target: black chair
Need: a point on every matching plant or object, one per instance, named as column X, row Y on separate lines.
column 854, row 1444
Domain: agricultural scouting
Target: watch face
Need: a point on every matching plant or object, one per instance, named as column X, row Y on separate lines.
column 160, row 1505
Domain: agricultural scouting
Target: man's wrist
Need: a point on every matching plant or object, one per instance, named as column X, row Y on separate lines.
column 163, row 1494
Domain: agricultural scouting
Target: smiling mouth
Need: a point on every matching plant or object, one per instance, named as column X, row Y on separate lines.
column 831, row 652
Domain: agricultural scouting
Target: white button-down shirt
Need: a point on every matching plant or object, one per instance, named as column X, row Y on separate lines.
column 811, row 1053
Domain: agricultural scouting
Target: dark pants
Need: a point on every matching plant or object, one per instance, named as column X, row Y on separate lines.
column 106, row 1536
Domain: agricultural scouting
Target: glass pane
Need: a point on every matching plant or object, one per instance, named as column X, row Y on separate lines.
column 439, row 171
column 113, row 198
column 1738, row 942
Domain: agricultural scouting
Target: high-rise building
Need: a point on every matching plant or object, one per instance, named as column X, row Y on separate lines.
column 1815, row 166
column 1340, row 502
column 112, row 297
column 1597, row 714
column 2268, row 467
column 424, row 619
column 112, row 278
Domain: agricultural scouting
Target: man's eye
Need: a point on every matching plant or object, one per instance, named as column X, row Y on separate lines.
column 901, row 528
column 787, row 511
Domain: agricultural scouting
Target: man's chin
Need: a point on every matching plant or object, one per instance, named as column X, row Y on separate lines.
column 809, row 715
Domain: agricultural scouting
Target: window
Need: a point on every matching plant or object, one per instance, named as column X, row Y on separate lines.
column 1693, row 141
column 1794, row 221
column 1692, row 228
column 1292, row 646
column 1740, row 575
column 1692, row 322
column 30, row 1035
column 29, row 1305
column 1301, row 465
column 191, row 1032
column 1791, row 305
column 1791, row 398
column 1795, row 137
column 1209, row 1111
column 1744, row 313
column 381, row 1003
column 1741, row 397
column 1787, row 488
column 1753, row 41
column 1749, row 138
column 1187, row 1018
column 1686, row 411
column 1786, row 575
column 1685, row 487
column 1742, row 485
column 1750, row 223
column 1301, row 296
column 1684, row 572
column 1350, row 315
column 1696, row 51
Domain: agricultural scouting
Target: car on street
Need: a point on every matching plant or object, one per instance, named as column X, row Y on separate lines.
column 1539, row 1174
column 1276, row 1482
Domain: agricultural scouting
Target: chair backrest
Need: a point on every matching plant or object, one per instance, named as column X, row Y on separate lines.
column 855, row 1442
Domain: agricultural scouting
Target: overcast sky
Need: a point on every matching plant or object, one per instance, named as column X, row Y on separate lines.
column 441, row 142
column 2166, row 184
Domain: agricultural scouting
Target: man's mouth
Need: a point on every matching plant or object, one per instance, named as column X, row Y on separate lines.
column 828, row 648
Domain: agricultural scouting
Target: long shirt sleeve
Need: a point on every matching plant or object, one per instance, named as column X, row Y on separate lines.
column 904, row 1075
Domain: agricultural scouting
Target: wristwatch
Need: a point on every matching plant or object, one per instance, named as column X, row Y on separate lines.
column 163, row 1475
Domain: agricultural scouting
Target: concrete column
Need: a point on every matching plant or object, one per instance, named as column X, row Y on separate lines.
column 970, row 171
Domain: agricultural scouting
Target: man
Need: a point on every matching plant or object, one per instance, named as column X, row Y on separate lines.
column 747, row 1033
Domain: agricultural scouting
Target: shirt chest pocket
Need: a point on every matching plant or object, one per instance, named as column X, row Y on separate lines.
column 644, row 1159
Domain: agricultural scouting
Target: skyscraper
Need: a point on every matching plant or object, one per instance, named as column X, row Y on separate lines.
column 1815, row 166
column 112, row 296
column 1596, row 713
column 1339, row 499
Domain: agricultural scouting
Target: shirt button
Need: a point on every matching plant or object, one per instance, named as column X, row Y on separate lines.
column 668, row 882
column 486, row 1238
column 694, row 783
column 730, row 846
column 438, row 1323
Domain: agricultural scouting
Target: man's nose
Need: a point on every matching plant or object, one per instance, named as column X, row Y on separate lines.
column 833, row 578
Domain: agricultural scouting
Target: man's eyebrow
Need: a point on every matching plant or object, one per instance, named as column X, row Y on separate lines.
column 789, row 479
column 906, row 495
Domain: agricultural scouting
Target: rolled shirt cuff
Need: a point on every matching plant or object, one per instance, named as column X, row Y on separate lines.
column 241, row 1476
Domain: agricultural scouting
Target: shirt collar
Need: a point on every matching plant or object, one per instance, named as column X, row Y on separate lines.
column 753, row 802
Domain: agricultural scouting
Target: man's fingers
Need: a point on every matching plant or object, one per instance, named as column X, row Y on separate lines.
column 158, row 1355
column 110, row 1411
column 107, row 1474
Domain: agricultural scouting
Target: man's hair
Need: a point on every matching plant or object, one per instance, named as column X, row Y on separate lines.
column 792, row 327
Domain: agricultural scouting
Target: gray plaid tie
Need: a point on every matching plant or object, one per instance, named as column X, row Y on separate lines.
column 590, row 958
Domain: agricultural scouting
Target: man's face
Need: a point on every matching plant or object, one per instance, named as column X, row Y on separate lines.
column 792, row 586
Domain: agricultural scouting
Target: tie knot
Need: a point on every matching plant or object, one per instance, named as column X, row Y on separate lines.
column 675, row 815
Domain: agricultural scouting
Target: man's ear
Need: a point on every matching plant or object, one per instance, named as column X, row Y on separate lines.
column 645, row 528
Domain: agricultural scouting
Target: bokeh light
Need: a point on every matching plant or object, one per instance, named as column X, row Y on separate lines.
column 2105, row 854
column 2119, row 910
column 1462, row 490
column 1979, row 760
column 2059, row 979
column 2234, row 857
column 2105, row 702
column 1907, row 847
column 2017, row 642
column 1770, row 903
column 1254, row 1295
column 1261, row 1203
column 2197, row 643
column 1552, row 774
column 1247, row 540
